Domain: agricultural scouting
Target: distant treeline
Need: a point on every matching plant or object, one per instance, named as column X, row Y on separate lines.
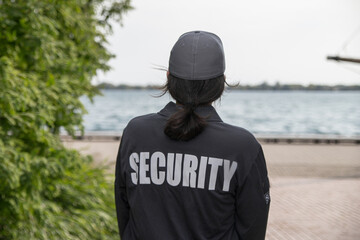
column 262, row 86
column 124, row 86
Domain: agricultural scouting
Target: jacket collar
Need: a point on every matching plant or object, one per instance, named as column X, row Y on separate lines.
column 207, row 112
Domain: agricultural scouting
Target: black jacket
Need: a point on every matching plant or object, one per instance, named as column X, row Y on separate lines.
column 214, row 186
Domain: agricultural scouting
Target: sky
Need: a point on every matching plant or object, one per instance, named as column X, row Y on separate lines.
column 284, row 41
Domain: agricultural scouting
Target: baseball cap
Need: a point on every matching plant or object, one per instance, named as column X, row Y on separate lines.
column 197, row 55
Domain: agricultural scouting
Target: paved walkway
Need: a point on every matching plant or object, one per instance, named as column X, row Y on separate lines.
column 314, row 208
column 315, row 189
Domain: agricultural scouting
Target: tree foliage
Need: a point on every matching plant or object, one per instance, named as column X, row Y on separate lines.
column 49, row 52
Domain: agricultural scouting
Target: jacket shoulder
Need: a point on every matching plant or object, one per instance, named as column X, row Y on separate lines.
column 239, row 134
column 141, row 123
column 141, row 119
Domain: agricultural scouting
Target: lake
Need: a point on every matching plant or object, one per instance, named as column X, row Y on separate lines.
column 294, row 113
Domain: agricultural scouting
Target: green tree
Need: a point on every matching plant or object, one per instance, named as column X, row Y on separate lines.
column 49, row 52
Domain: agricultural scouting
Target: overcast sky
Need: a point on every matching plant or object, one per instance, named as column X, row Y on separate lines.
column 264, row 40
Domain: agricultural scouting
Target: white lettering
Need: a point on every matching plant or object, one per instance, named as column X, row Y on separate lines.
column 202, row 172
column 189, row 174
column 174, row 172
column 228, row 173
column 144, row 168
column 188, row 168
column 215, row 163
column 133, row 160
column 157, row 176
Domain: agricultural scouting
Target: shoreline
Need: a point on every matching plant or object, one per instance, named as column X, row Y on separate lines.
column 259, row 87
column 262, row 138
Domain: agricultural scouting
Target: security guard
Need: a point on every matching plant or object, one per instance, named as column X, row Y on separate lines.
column 183, row 173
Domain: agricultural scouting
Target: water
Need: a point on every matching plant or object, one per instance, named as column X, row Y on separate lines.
column 261, row 112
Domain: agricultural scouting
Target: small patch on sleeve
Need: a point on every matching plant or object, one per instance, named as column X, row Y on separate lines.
column 267, row 198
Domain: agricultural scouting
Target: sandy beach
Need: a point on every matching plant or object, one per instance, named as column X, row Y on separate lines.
column 315, row 188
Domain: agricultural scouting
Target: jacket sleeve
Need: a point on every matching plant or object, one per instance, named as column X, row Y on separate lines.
column 253, row 202
column 121, row 201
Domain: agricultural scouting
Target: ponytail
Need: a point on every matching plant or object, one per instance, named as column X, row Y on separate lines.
column 185, row 124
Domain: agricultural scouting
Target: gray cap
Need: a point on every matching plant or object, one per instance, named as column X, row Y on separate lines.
column 197, row 55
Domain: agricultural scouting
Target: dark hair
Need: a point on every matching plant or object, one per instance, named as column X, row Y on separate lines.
column 186, row 124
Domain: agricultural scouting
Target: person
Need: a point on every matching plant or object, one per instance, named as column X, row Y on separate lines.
column 183, row 173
